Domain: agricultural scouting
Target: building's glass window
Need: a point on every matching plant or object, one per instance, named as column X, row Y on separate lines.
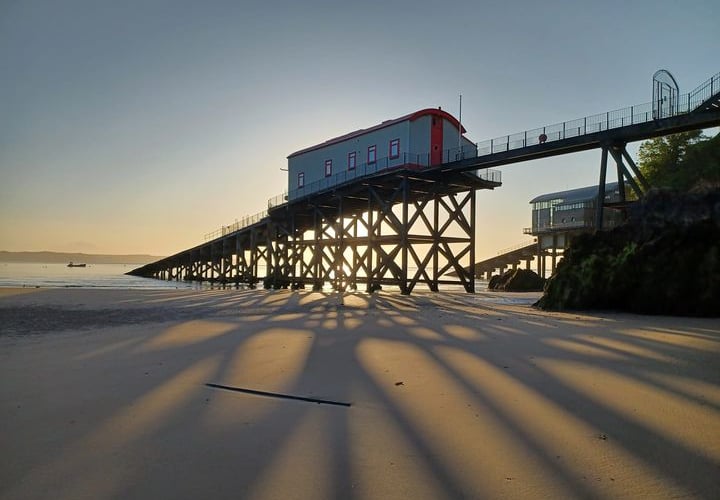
column 352, row 160
column 301, row 180
column 571, row 206
column 328, row 168
column 546, row 204
column 372, row 154
column 394, row 148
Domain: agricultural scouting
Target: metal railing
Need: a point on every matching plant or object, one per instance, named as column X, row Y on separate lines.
column 246, row 221
column 547, row 227
column 516, row 247
column 704, row 91
column 609, row 120
column 487, row 174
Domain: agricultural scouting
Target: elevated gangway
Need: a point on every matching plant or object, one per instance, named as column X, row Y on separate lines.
column 697, row 109
column 509, row 257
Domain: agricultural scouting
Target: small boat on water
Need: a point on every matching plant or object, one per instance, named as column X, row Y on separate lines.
column 76, row 265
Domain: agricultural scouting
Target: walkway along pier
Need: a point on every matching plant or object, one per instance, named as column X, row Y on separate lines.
column 511, row 257
column 413, row 224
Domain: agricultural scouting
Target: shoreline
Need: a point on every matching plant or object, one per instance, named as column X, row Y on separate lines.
column 105, row 394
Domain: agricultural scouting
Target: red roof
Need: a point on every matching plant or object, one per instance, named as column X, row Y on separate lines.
column 411, row 117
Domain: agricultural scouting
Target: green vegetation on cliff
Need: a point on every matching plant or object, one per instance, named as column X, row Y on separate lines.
column 681, row 161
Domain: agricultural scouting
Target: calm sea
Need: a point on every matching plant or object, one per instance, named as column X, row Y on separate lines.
column 14, row 274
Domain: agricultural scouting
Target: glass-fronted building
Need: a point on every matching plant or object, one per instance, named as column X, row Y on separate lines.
column 574, row 209
column 557, row 217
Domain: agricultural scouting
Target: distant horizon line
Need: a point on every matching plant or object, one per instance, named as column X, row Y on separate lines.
column 49, row 256
column 75, row 252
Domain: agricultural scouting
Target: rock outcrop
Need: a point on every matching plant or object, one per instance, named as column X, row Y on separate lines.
column 664, row 260
column 518, row 280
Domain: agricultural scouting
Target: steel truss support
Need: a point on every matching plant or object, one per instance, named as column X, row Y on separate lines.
column 259, row 252
column 404, row 233
column 625, row 173
column 280, row 254
column 328, row 264
column 418, row 235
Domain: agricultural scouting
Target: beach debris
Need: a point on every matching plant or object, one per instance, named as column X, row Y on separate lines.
column 602, row 437
column 400, row 383
column 277, row 395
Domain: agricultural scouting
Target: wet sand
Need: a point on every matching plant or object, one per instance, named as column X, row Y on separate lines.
column 103, row 395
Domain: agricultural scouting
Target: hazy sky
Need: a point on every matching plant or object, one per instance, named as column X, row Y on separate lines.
column 139, row 126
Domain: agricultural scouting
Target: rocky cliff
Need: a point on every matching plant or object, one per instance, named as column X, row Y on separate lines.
column 664, row 260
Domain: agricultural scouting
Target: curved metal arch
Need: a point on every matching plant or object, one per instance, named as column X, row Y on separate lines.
column 667, row 74
column 666, row 94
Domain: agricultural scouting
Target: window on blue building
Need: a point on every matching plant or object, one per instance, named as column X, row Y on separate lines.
column 301, row 180
column 328, row 168
column 394, row 148
column 352, row 160
column 372, row 154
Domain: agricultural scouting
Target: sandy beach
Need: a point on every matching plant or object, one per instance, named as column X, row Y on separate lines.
column 103, row 395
